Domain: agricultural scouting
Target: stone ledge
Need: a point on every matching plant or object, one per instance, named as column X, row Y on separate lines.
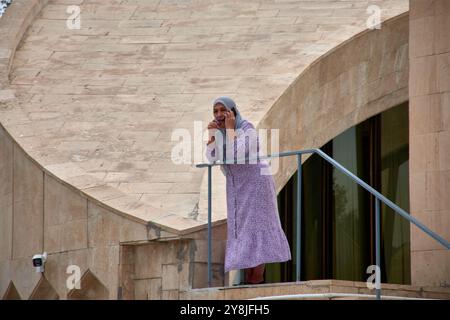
column 314, row 286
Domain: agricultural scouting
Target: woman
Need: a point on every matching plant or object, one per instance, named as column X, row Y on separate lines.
column 254, row 233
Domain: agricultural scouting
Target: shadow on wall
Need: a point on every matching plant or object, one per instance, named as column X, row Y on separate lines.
column 90, row 289
column 11, row 293
column 44, row 291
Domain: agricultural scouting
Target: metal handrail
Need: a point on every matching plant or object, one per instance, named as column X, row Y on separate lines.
column 378, row 197
column 331, row 295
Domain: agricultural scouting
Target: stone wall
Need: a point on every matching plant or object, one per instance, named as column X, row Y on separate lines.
column 160, row 270
column 118, row 254
column 118, row 257
column 13, row 25
column 361, row 77
column 429, row 138
column 40, row 213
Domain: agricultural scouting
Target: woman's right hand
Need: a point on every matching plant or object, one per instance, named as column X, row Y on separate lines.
column 212, row 126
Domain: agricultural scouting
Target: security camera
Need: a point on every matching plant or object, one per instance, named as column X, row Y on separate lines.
column 39, row 261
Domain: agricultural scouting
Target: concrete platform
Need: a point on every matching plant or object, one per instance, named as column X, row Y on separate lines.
column 317, row 289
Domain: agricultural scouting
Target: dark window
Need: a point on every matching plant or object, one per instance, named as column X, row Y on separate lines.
column 338, row 216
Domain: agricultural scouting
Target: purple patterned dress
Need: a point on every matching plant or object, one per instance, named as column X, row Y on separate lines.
column 254, row 233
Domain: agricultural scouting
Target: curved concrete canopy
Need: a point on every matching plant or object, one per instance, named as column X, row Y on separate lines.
column 97, row 106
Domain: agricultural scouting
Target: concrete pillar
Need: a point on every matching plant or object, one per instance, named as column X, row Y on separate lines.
column 429, row 92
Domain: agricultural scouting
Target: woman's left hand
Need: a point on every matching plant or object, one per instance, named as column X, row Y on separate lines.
column 230, row 120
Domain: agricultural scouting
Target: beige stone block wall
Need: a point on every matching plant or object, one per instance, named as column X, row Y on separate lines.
column 40, row 213
column 429, row 138
column 56, row 267
column 6, row 209
column 44, row 291
column 200, row 257
column 161, row 269
column 77, row 230
column 65, row 223
column 18, row 202
column 28, row 195
column 91, row 289
column 119, row 258
column 14, row 25
column 361, row 77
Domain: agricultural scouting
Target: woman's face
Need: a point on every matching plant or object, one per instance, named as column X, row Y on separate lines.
column 219, row 114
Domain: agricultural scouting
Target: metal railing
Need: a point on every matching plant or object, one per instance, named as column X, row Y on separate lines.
column 378, row 197
column 331, row 295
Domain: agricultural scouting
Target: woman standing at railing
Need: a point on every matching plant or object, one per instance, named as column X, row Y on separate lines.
column 254, row 233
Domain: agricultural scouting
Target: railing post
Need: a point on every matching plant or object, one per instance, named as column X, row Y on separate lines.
column 209, row 227
column 377, row 249
column 299, row 216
